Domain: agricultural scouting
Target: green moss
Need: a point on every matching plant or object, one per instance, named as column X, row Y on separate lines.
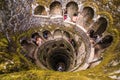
column 20, row 63
column 43, row 2
column 104, row 1
column 51, row 75
column 46, row 75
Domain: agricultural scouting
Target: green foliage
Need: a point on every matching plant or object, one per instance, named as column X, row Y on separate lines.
column 18, row 66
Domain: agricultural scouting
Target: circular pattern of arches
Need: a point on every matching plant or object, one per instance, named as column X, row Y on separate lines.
column 64, row 49
column 83, row 16
column 61, row 46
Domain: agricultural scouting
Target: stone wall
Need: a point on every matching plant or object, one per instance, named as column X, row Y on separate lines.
column 15, row 14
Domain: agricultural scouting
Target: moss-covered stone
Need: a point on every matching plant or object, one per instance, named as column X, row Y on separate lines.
column 19, row 68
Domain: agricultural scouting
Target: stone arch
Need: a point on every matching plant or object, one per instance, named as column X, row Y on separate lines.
column 85, row 17
column 40, row 10
column 56, row 8
column 47, row 34
column 66, row 35
column 57, row 33
column 102, row 24
column 106, row 41
column 72, row 8
column 88, row 13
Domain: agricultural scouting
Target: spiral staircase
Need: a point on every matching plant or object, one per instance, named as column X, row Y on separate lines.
column 67, row 40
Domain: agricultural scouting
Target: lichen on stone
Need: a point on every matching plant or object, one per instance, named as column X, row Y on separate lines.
column 16, row 24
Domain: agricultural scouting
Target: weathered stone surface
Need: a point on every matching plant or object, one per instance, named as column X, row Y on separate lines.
column 16, row 17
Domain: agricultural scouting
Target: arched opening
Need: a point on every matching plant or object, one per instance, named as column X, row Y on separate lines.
column 40, row 10
column 36, row 38
column 58, row 33
column 102, row 25
column 55, row 55
column 72, row 41
column 55, row 8
column 47, row 34
column 66, row 35
column 87, row 13
column 62, row 45
column 105, row 42
column 71, row 9
column 59, row 61
column 54, row 45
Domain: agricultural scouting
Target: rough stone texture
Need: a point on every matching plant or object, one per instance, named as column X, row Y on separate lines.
column 41, row 21
column 111, row 6
column 15, row 15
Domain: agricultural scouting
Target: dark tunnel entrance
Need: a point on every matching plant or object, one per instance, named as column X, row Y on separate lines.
column 59, row 61
column 57, row 55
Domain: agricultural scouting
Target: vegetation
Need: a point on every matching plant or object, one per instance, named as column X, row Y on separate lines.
column 14, row 66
